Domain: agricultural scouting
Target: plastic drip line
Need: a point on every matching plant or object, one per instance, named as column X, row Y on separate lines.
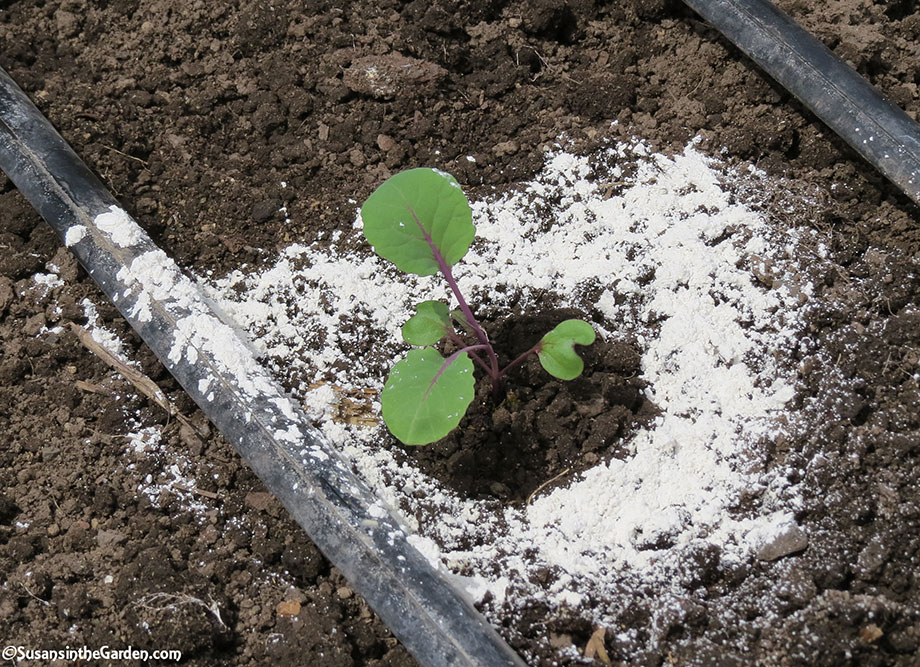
column 213, row 362
column 877, row 129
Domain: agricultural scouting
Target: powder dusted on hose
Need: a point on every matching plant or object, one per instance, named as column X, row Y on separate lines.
column 119, row 226
column 201, row 337
column 74, row 235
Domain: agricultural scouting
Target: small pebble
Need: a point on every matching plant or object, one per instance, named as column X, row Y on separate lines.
column 789, row 540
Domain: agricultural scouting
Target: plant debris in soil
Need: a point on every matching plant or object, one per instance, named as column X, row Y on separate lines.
column 232, row 132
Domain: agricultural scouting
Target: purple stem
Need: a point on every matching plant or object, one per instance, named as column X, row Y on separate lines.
column 448, row 362
column 534, row 350
column 464, row 308
column 462, row 343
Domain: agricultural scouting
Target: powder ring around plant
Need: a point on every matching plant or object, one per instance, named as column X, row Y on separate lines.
column 421, row 221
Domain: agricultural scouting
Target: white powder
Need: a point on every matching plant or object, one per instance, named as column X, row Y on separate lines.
column 174, row 470
column 74, row 235
column 293, row 309
column 144, row 439
column 670, row 258
column 201, row 336
column 769, row 530
column 47, row 281
column 103, row 335
column 377, row 510
column 155, row 277
column 119, row 226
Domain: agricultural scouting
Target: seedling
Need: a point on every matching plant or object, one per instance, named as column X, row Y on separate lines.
column 422, row 222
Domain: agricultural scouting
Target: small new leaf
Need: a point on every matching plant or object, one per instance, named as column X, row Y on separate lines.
column 557, row 349
column 416, row 216
column 429, row 324
column 426, row 395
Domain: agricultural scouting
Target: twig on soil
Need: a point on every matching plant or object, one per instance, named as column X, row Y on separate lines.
column 164, row 601
column 97, row 436
column 33, row 595
column 55, row 503
column 130, row 157
column 140, row 381
column 545, row 484
column 595, row 648
column 83, row 385
column 197, row 491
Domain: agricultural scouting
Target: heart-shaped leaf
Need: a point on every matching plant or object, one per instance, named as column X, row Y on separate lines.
column 429, row 324
column 426, row 395
column 416, row 216
column 557, row 349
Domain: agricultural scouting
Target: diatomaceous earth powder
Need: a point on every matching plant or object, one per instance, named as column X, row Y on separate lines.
column 668, row 258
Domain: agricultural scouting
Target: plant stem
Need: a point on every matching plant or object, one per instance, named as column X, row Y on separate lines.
column 480, row 333
column 468, row 314
column 462, row 343
column 521, row 357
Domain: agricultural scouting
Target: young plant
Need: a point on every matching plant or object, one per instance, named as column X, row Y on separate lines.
column 421, row 221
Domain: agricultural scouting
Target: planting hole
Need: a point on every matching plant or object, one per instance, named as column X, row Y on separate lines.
column 540, row 429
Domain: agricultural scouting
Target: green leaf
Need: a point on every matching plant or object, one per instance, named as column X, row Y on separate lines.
column 429, row 324
column 411, row 206
column 457, row 316
column 425, row 397
column 557, row 349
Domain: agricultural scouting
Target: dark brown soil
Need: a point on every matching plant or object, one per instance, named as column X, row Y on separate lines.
column 539, row 431
column 195, row 113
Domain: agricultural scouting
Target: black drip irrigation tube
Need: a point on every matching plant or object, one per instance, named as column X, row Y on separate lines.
column 877, row 129
column 213, row 363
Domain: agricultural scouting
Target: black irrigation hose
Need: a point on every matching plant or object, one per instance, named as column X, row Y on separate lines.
column 436, row 623
column 878, row 130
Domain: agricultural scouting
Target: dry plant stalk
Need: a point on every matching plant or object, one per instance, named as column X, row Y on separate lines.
column 140, row 381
